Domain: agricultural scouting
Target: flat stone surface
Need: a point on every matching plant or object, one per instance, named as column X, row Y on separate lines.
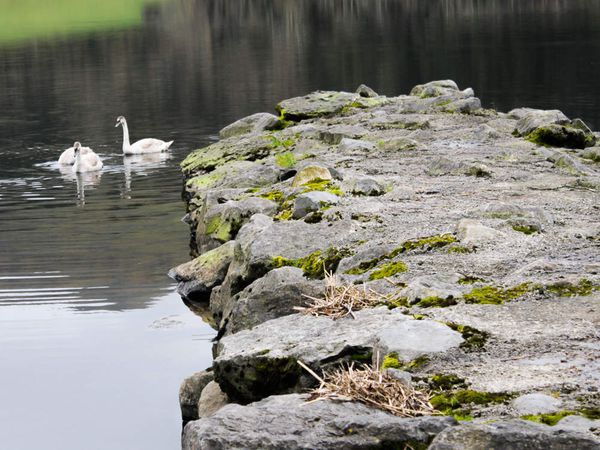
column 511, row 434
column 535, row 404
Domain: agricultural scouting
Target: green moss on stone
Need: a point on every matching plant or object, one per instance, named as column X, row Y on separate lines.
column 548, row 419
column 388, row 270
column 566, row 289
column 436, row 302
column 492, row 295
column 275, row 196
column 474, row 339
column 277, row 143
column 425, row 243
column 446, row 382
column 316, row 264
column 526, row 229
column 392, row 361
column 323, row 185
column 285, row 160
column 460, row 249
column 449, row 402
column 469, row 279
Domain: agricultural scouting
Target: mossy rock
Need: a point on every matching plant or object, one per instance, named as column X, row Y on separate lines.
column 316, row 104
column 567, row 136
column 316, row 264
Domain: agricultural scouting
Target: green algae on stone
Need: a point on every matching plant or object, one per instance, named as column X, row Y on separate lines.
column 492, row 295
column 277, row 143
column 324, row 186
column 202, row 182
column 316, row 264
column 275, row 196
column 388, row 270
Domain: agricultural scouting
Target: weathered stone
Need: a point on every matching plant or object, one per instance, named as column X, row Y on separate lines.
column 274, row 295
column 401, row 375
column 463, row 105
column 366, row 256
column 197, row 277
column 470, row 231
column 367, row 186
column 287, row 422
column 335, row 134
column 211, row 400
column 365, row 91
column 441, row 166
column 578, row 423
column 443, row 286
column 223, row 220
column 561, row 136
column 536, row 118
column 312, row 201
column 317, row 104
column 511, row 434
column 189, row 394
column 248, row 148
column 398, row 143
column 311, row 173
column 355, row 146
column 413, row 338
column 535, row 404
column 434, row 88
column 252, row 124
column 253, row 364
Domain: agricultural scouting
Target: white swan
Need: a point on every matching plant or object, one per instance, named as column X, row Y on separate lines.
column 148, row 145
column 89, row 162
column 67, row 158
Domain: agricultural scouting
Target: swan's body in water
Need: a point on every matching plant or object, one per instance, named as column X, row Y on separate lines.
column 89, row 162
column 67, row 158
column 148, row 145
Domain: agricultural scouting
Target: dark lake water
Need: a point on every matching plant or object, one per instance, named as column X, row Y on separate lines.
column 93, row 340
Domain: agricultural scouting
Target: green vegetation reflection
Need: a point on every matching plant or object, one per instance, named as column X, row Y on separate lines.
column 22, row 20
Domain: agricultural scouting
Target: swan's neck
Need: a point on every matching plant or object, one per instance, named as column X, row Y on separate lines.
column 126, row 143
column 77, row 163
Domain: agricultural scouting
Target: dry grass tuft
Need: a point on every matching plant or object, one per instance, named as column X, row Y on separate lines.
column 371, row 387
column 341, row 300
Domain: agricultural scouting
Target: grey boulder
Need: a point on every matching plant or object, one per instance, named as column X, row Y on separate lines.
column 312, row 201
column 535, row 404
column 287, row 422
column 252, row 124
column 189, row 393
column 197, row 277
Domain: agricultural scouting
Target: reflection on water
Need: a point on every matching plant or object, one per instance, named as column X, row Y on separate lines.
column 91, row 338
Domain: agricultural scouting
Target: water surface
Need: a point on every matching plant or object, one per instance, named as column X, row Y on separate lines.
column 93, row 341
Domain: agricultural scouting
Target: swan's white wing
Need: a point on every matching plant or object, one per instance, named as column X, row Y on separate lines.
column 67, row 157
column 149, row 145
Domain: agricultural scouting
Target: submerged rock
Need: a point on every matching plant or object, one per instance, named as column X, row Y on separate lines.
column 287, row 422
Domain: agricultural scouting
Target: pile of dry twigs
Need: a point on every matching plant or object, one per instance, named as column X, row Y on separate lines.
column 342, row 300
column 372, row 387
